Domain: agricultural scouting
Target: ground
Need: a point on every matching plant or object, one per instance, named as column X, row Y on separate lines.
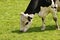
column 10, row 23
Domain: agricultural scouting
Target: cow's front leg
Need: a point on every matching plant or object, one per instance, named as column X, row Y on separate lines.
column 42, row 15
column 25, row 22
column 43, row 24
column 43, row 12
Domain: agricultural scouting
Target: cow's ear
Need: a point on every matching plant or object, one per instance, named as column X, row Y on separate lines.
column 21, row 13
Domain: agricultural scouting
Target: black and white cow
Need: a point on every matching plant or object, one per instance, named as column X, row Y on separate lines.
column 42, row 8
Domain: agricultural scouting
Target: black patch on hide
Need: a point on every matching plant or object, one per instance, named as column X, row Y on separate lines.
column 34, row 6
column 26, row 23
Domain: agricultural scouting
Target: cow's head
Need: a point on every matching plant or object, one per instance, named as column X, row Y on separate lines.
column 25, row 21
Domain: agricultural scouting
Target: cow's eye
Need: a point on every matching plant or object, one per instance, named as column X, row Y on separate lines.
column 26, row 23
column 29, row 18
column 59, row 0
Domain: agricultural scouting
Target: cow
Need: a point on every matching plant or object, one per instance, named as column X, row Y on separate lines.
column 42, row 8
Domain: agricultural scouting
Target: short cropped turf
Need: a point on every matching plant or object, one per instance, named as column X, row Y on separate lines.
column 10, row 23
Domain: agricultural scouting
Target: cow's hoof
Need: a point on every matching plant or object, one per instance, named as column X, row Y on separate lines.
column 43, row 28
column 23, row 30
column 57, row 27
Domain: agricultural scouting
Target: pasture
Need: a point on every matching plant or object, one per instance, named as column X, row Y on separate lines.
column 10, row 23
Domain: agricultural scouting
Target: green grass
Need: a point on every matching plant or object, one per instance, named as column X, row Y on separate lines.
column 10, row 23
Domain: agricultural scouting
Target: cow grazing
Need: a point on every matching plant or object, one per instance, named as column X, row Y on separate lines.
column 42, row 8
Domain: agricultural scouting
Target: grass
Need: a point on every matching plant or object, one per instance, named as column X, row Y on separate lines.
column 10, row 23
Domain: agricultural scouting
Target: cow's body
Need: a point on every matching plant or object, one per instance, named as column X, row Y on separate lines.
column 42, row 8
column 35, row 6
